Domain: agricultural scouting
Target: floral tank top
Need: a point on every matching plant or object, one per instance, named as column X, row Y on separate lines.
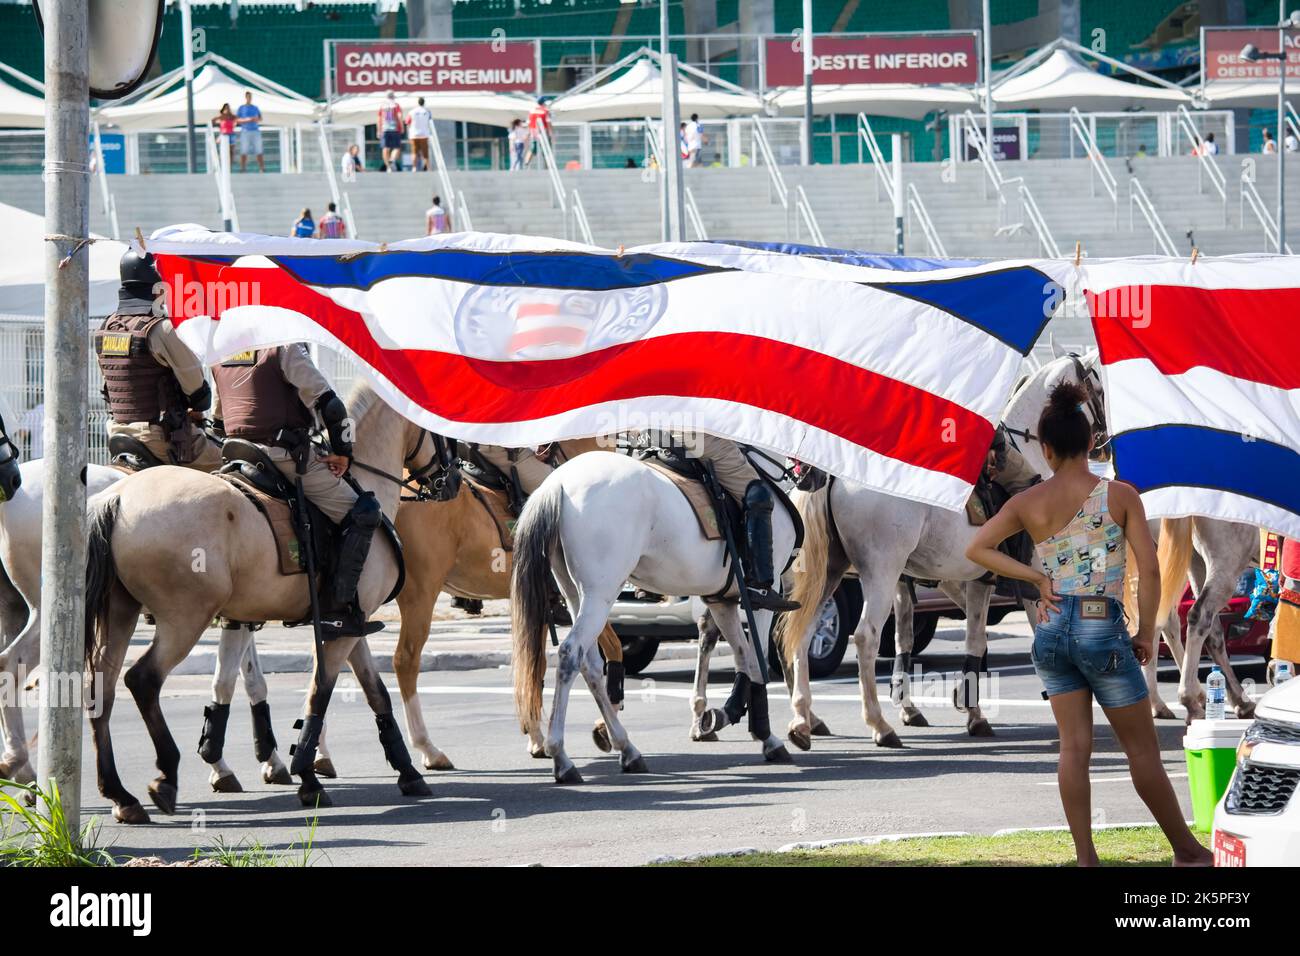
column 1086, row 557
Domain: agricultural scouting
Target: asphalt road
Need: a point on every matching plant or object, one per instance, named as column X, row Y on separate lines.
column 501, row 807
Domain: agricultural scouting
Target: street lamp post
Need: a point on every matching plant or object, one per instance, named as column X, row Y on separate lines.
column 1251, row 54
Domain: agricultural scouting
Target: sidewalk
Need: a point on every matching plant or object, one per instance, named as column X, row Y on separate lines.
column 457, row 642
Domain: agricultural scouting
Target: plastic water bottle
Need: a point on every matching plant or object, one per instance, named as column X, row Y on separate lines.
column 1215, row 694
column 1281, row 672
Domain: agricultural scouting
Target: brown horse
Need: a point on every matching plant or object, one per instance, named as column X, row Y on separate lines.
column 456, row 546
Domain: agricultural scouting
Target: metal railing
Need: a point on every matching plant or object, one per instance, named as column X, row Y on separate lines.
column 444, row 176
column 917, row 209
column 1036, row 219
column 970, row 131
column 332, row 179
column 1292, row 121
column 548, row 163
column 1206, row 167
column 653, row 148
column 693, row 218
column 219, row 163
column 1137, row 196
column 1250, row 197
column 580, row 218
column 1083, row 132
column 105, row 194
column 884, row 177
column 348, row 218
column 799, row 211
column 463, row 221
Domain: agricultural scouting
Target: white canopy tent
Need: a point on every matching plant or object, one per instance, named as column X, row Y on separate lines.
column 494, row 109
column 22, row 269
column 1259, row 94
column 638, row 93
column 1061, row 81
column 162, row 106
column 19, row 109
column 902, row 100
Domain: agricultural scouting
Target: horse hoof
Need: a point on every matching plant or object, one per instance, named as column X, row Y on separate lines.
column 163, row 796
column 703, row 738
column 324, row 767
column 981, row 728
column 315, row 799
column 777, row 754
column 279, row 775
column 440, row 762
column 711, row 721
column 820, row 729
column 132, row 813
column 570, row 776
column 538, row 753
column 914, row 718
column 636, row 766
column 414, row 787
column 227, row 784
column 800, row 739
column 600, row 736
column 1163, row 713
column 1246, row 710
column 890, row 740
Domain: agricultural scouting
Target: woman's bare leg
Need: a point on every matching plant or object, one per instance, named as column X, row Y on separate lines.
column 1136, row 731
column 1073, row 712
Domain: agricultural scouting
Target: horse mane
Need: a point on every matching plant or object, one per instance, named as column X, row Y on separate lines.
column 362, row 400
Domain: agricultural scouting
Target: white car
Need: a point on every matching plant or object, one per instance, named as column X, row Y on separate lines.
column 1257, row 823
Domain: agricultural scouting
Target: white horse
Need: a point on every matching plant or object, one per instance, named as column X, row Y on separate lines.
column 597, row 522
column 884, row 537
column 20, row 632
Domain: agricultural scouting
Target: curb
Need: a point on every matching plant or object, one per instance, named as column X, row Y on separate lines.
column 797, row 847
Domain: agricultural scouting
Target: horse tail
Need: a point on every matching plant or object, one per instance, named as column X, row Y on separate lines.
column 809, row 571
column 1175, row 555
column 101, row 572
column 537, row 535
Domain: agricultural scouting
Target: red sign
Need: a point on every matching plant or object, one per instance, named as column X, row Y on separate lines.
column 1222, row 55
column 1228, row 850
column 491, row 66
column 883, row 59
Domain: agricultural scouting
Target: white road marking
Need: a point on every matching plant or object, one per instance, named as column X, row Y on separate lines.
column 1124, row 779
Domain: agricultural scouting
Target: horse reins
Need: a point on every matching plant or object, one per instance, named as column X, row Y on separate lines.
column 1096, row 406
column 418, row 482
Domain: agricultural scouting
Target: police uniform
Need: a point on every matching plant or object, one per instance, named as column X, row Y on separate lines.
column 532, row 471
column 152, row 381
column 271, row 397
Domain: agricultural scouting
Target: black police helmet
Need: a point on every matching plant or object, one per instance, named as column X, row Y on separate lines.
column 138, row 272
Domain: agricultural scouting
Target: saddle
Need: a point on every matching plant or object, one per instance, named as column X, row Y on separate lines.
column 130, row 454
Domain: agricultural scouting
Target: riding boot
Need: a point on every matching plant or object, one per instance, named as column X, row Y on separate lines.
column 759, row 577
column 342, row 616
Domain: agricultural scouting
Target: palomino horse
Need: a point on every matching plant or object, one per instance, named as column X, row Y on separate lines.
column 599, row 521
column 20, row 629
column 191, row 547
column 456, row 546
column 884, row 537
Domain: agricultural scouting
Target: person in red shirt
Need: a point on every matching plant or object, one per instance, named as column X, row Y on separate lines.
column 539, row 124
column 391, row 127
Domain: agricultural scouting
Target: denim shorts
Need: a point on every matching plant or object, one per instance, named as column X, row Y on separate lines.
column 250, row 142
column 1072, row 652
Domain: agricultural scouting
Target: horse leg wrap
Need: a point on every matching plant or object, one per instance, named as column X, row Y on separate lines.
column 390, row 738
column 901, row 677
column 738, row 702
column 304, row 751
column 614, row 681
column 760, row 728
column 263, row 737
column 212, row 741
column 970, row 681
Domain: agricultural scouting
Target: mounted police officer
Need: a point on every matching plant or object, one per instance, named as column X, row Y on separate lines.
column 153, row 383
column 741, row 480
column 520, row 465
column 272, row 398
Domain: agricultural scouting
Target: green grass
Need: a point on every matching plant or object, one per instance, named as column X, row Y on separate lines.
column 252, row 853
column 1136, row 846
column 33, row 837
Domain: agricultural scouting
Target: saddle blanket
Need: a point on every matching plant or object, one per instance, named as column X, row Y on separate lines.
column 278, row 519
column 697, row 496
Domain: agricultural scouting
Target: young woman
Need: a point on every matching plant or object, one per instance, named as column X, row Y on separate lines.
column 1083, row 527
column 224, row 121
column 305, row 226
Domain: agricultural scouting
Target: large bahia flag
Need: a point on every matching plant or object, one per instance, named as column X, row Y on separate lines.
column 1202, row 371
column 891, row 379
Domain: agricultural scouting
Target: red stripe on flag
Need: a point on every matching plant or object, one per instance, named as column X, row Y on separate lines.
column 1239, row 332
column 876, row 412
column 529, row 309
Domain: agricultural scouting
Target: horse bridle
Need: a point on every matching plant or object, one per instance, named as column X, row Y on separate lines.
column 1090, row 382
column 422, row 482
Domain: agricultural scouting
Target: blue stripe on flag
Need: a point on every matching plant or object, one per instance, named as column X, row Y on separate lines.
column 552, row 270
column 1010, row 304
column 874, row 260
column 1167, row 455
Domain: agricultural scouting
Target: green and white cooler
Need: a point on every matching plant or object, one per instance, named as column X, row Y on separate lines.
column 1211, row 748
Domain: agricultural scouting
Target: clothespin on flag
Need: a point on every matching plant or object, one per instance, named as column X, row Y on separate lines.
column 1195, row 253
column 1078, row 252
column 139, row 238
